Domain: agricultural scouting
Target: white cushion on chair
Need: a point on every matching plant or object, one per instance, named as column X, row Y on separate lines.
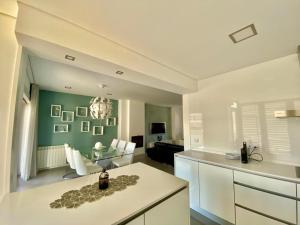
column 83, row 168
column 121, row 162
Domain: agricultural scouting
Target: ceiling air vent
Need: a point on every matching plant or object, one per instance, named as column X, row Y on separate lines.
column 243, row 34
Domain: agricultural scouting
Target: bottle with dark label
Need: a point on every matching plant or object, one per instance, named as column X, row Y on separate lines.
column 103, row 179
column 244, row 153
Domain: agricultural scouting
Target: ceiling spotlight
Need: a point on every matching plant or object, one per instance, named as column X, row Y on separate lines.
column 102, row 85
column 69, row 57
column 119, row 72
column 68, row 87
column 109, row 94
column 243, row 34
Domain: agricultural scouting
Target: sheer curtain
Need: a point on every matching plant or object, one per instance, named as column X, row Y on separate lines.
column 29, row 158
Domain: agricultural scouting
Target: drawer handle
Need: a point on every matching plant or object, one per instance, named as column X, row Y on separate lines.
column 266, row 191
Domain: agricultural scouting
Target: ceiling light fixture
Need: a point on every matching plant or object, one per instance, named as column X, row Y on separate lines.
column 100, row 108
column 119, row 72
column 68, row 87
column 243, row 34
column 69, row 57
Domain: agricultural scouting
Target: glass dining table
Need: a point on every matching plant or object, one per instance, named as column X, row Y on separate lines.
column 104, row 156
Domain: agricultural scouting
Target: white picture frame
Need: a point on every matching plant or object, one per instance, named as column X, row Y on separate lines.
column 61, row 128
column 81, row 111
column 85, row 126
column 67, row 116
column 55, row 111
column 98, row 130
column 111, row 121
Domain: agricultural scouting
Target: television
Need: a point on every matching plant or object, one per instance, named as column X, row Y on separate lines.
column 158, row 128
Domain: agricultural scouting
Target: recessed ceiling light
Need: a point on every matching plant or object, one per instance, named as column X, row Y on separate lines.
column 119, row 72
column 68, row 87
column 102, row 85
column 109, row 93
column 69, row 57
column 243, row 34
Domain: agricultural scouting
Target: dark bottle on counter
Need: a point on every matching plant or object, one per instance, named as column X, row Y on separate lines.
column 103, row 179
column 244, row 153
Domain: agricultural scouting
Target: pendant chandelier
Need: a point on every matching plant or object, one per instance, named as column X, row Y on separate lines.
column 100, row 108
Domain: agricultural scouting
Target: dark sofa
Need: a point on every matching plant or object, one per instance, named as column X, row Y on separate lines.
column 164, row 152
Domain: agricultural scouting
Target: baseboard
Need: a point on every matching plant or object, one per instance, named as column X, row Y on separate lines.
column 208, row 218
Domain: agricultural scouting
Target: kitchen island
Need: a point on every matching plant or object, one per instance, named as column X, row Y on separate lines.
column 157, row 198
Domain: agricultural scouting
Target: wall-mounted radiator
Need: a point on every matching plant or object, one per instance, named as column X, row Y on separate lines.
column 51, row 157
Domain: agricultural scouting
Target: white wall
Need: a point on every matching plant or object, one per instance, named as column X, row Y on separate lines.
column 131, row 121
column 177, row 122
column 137, row 122
column 258, row 91
column 8, row 55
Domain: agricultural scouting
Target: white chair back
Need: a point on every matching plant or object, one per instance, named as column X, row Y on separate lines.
column 129, row 151
column 130, row 148
column 67, row 153
column 121, row 146
column 81, row 169
column 70, row 157
column 114, row 143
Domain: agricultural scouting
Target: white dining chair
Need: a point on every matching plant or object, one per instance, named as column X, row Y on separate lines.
column 83, row 168
column 121, row 146
column 114, row 143
column 70, row 160
column 127, row 158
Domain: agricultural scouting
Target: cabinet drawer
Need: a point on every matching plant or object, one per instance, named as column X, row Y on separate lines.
column 266, row 183
column 268, row 204
column 246, row 217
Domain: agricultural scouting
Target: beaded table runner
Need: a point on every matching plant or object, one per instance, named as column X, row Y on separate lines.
column 91, row 192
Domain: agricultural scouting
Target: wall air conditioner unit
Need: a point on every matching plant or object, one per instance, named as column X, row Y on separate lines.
column 287, row 113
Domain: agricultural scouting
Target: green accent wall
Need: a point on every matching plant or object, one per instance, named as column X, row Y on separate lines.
column 79, row 140
column 156, row 114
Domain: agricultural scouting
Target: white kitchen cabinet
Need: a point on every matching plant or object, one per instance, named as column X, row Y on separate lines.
column 188, row 170
column 298, row 211
column 246, row 217
column 173, row 211
column 266, row 183
column 216, row 191
column 137, row 221
column 270, row 204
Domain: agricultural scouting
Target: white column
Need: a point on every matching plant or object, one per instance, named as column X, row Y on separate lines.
column 8, row 88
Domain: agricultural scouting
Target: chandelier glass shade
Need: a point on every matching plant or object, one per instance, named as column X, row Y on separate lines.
column 100, row 108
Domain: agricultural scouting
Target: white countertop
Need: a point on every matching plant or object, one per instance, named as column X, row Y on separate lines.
column 31, row 207
column 264, row 168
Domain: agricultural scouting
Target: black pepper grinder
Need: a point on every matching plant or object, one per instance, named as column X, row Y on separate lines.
column 244, row 153
column 103, row 179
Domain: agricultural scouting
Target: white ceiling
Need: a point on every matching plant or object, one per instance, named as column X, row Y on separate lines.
column 189, row 36
column 55, row 76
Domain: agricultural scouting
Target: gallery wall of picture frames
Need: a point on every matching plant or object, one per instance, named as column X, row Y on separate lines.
column 80, row 112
